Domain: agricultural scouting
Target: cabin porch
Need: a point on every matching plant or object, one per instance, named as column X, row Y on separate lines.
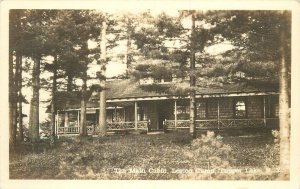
column 258, row 111
column 120, row 117
column 212, row 112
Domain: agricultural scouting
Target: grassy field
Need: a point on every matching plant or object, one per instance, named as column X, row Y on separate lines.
column 148, row 157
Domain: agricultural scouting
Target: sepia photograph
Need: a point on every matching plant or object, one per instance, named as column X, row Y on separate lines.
column 149, row 94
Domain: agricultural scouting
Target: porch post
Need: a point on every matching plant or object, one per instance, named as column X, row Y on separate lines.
column 125, row 115
column 218, row 113
column 57, row 119
column 175, row 113
column 66, row 123
column 78, row 118
column 135, row 116
column 265, row 121
column 115, row 113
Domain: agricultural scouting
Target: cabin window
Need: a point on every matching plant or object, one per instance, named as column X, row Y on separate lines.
column 141, row 116
column 201, row 110
column 240, row 108
column 183, row 112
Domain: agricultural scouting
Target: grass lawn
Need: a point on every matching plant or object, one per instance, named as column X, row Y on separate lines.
column 146, row 156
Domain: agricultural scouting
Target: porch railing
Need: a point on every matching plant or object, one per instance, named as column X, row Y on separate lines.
column 67, row 130
column 221, row 123
column 74, row 130
column 120, row 125
column 141, row 125
column 113, row 126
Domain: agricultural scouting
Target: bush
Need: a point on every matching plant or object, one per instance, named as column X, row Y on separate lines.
column 220, row 164
column 209, row 152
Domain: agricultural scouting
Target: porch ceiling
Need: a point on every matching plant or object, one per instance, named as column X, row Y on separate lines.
column 121, row 104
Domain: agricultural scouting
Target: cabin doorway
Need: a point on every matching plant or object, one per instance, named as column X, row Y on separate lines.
column 161, row 119
column 165, row 111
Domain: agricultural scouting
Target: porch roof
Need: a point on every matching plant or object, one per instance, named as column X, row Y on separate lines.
column 130, row 89
column 124, row 91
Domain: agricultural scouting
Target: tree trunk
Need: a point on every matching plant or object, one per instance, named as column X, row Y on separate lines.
column 21, row 130
column 69, row 90
column 102, row 112
column 128, row 55
column 20, row 96
column 53, row 104
column 102, row 95
column 15, row 97
column 284, row 121
column 12, row 134
column 34, row 103
column 192, row 83
column 83, row 131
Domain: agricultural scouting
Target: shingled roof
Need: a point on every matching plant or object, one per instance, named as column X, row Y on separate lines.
column 126, row 88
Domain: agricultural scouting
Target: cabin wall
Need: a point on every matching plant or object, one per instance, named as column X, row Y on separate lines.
column 255, row 107
column 272, row 106
column 201, row 110
column 166, row 109
column 212, row 109
column 226, row 108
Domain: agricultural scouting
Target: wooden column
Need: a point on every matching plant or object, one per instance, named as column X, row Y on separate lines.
column 115, row 113
column 124, row 115
column 78, row 118
column 175, row 113
column 265, row 120
column 218, row 113
column 66, row 119
column 135, row 116
column 57, row 119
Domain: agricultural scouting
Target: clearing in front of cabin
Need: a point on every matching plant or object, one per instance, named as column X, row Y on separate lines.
column 159, row 156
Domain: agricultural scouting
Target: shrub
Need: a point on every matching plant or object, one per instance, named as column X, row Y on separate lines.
column 211, row 149
column 220, row 163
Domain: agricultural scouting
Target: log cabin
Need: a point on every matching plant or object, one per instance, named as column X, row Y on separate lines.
column 132, row 105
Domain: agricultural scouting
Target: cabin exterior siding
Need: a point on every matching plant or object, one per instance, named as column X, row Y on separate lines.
column 255, row 107
column 226, row 108
column 212, row 109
